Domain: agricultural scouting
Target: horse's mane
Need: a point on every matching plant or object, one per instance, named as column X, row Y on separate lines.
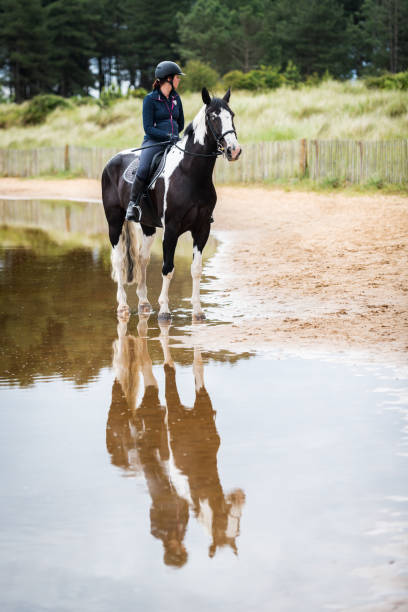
column 197, row 125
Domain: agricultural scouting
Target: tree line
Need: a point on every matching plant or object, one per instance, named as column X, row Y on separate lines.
column 68, row 47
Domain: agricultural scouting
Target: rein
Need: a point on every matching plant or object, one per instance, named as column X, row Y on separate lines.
column 220, row 149
column 156, row 144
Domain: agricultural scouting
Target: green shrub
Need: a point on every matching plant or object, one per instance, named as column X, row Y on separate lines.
column 11, row 115
column 388, row 81
column 82, row 100
column 263, row 78
column 312, row 80
column 234, row 79
column 397, row 109
column 198, row 75
column 139, row 92
column 292, row 75
column 375, row 182
column 41, row 106
column 253, row 80
column 330, row 182
column 109, row 95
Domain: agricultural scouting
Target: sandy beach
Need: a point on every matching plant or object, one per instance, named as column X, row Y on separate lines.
column 296, row 269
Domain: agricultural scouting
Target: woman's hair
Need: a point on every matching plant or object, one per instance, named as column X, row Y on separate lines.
column 159, row 82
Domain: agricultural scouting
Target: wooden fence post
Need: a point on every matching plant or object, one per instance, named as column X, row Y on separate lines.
column 303, row 157
column 360, row 146
column 66, row 158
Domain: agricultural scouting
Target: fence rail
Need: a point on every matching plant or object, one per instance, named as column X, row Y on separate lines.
column 354, row 161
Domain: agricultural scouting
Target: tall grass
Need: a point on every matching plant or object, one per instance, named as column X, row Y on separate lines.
column 332, row 110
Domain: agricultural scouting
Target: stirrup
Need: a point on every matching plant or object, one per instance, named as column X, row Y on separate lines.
column 134, row 212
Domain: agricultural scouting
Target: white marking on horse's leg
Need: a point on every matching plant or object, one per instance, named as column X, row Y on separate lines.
column 122, row 330
column 144, row 258
column 198, row 369
column 147, row 366
column 142, row 326
column 164, row 295
column 237, row 500
column 164, row 341
column 196, row 270
column 123, row 308
column 118, row 255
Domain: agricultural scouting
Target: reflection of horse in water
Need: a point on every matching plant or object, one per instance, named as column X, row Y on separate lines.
column 176, row 448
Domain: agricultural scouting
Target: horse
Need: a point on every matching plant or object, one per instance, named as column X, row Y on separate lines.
column 183, row 194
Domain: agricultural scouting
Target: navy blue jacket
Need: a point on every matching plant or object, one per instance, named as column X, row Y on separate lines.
column 162, row 116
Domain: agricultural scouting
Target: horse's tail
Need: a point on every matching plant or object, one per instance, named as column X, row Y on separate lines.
column 125, row 255
column 123, row 235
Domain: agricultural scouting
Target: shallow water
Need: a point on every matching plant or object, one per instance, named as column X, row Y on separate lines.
column 140, row 475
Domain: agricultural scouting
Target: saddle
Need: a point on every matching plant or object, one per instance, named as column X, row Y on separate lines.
column 156, row 168
column 150, row 215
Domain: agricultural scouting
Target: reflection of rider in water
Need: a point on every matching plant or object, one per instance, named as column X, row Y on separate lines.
column 169, row 512
column 137, row 440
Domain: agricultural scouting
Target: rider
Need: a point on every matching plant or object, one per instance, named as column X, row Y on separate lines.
column 163, row 119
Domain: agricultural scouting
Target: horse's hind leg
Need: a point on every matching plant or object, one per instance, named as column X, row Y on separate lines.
column 148, row 236
column 125, row 264
column 199, row 241
column 118, row 256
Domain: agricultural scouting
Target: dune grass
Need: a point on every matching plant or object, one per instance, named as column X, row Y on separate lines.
column 332, row 110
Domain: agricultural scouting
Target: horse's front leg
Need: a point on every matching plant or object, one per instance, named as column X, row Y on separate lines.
column 169, row 246
column 148, row 236
column 164, row 341
column 200, row 240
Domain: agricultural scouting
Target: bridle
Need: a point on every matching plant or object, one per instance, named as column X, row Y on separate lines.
column 217, row 137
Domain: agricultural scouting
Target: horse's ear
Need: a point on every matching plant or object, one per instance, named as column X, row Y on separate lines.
column 227, row 95
column 206, row 96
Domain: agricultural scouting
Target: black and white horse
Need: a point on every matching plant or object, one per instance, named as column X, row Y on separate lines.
column 185, row 198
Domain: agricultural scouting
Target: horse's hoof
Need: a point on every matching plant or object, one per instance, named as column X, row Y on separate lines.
column 199, row 317
column 144, row 308
column 164, row 317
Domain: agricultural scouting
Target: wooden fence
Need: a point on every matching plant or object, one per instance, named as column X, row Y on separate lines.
column 354, row 161
column 77, row 218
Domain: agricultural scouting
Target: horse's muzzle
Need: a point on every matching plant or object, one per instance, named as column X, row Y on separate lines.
column 233, row 153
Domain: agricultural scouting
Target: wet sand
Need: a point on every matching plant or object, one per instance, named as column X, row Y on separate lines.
column 296, row 270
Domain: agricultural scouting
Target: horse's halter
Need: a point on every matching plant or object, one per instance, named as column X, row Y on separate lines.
column 218, row 137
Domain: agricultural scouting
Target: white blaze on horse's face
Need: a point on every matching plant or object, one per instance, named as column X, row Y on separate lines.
column 231, row 142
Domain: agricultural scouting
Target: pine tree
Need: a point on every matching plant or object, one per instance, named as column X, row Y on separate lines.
column 24, row 47
column 385, row 35
column 315, row 35
column 153, row 28
column 70, row 23
column 206, row 34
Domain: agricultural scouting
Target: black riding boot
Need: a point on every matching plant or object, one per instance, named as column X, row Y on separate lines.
column 134, row 212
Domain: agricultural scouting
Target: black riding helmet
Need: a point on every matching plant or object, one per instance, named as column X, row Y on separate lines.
column 165, row 69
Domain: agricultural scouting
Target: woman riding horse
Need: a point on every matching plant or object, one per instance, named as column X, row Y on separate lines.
column 163, row 120
column 183, row 196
